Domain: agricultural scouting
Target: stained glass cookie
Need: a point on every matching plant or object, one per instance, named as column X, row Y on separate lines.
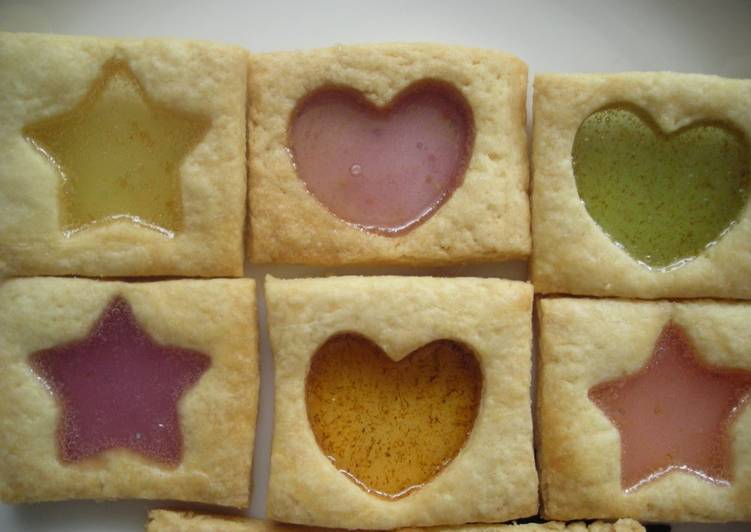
column 621, row 525
column 121, row 157
column 400, row 401
column 397, row 153
column 643, row 410
column 641, row 185
column 179, row 521
column 115, row 390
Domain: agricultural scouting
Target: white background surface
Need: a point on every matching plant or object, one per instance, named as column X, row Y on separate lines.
column 712, row 37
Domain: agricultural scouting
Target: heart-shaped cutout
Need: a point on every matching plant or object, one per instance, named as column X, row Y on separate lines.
column 392, row 426
column 383, row 169
column 663, row 197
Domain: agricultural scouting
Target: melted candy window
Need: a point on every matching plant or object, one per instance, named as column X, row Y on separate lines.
column 675, row 413
column 118, row 154
column 392, row 426
column 663, row 197
column 385, row 170
column 117, row 388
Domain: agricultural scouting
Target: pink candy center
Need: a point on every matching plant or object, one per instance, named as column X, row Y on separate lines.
column 675, row 413
column 385, row 170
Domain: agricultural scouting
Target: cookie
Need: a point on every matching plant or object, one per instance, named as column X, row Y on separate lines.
column 400, row 401
column 388, row 154
column 643, row 410
column 121, row 157
column 641, row 182
column 114, row 390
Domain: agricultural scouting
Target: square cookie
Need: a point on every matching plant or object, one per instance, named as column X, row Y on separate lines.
column 643, row 410
column 401, row 401
column 388, row 154
column 116, row 390
column 622, row 525
column 121, row 157
column 640, row 185
column 179, row 521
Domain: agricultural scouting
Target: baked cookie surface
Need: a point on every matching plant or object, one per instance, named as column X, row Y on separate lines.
column 621, row 525
column 181, row 521
column 490, row 477
column 586, row 448
column 121, row 157
column 641, row 184
column 484, row 218
column 116, row 390
column 174, row 521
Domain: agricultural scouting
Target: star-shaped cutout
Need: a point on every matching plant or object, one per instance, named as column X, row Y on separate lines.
column 117, row 388
column 119, row 154
column 675, row 413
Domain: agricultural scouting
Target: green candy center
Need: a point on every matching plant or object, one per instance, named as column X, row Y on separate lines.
column 663, row 197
